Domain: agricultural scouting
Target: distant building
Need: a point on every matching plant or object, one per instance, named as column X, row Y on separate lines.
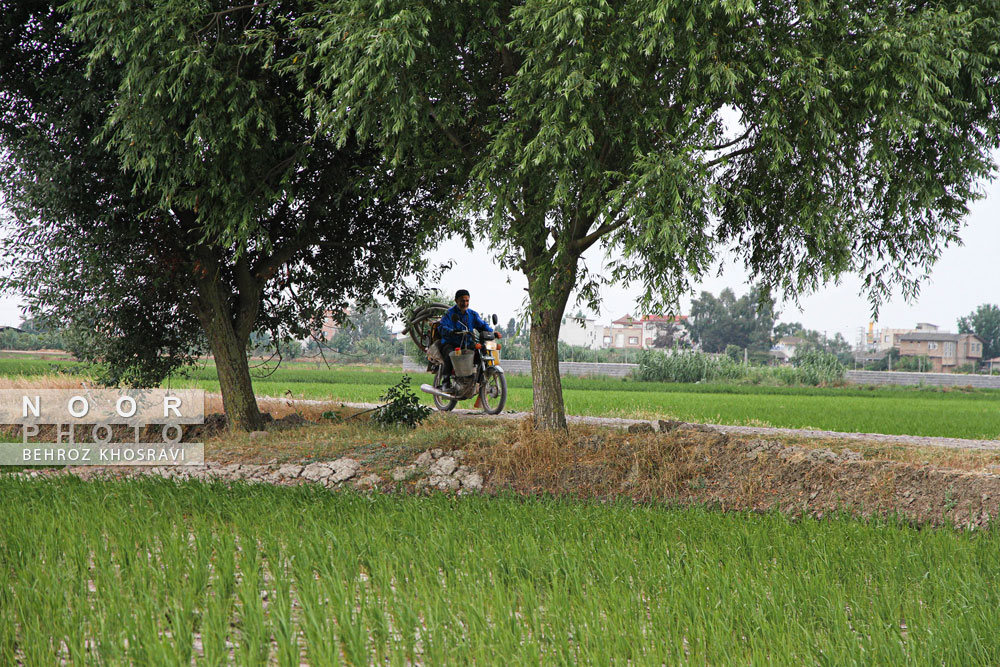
column 330, row 327
column 945, row 350
column 625, row 333
column 581, row 332
column 889, row 337
column 784, row 350
column 643, row 333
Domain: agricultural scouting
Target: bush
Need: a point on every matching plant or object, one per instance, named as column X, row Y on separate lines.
column 917, row 364
column 818, row 367
column 813, row 368
column 402, row 407
column 657, row 366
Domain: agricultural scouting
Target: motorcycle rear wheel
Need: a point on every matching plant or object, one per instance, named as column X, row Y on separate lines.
column 442, row 404
column 493, row 392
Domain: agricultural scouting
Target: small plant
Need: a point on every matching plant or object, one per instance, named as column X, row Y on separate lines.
column 402, row 407
column 950, row 501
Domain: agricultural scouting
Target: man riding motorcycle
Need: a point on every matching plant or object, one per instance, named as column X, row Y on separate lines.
column 457, row 319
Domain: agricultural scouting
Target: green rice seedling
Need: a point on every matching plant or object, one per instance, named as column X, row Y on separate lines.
column 253, row 645
column 280, row 597
column 219, row 603
column 438, row 579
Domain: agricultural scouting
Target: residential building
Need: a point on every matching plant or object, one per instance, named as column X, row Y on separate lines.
column 581, row 332
column 665, row 331
column 784, row 350
column 625, row 333
column 330, row 327
column 889, row 337
column 645, row 332
column 945, row 350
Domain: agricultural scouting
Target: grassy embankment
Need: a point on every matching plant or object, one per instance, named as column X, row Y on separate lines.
column 389, row 579
column 893, row 410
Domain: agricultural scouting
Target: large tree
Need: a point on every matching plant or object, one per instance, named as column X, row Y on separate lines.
column 167, row 189
column 811, row 138
column 984, row 321
column 718, row 322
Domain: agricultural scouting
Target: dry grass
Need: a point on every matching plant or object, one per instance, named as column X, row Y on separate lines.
column 595, row 461
column 53, row 381
column 351, row 433
column 970, row 460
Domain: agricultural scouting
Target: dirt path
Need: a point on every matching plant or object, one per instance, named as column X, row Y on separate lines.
column 912, row 440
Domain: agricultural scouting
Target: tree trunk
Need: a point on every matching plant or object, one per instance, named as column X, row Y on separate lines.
column 549, row 290
column 550, row 412
column 228, row 334
column 231, row 364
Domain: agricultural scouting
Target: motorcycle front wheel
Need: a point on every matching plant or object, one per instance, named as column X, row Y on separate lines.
column 442, row 404
column 493, row 392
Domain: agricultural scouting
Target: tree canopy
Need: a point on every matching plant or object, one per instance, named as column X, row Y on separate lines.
column 169, row 191
column 718, row 322
column 984, row 321
column 810, row 138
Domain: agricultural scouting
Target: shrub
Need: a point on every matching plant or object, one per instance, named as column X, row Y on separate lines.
column 402, row 407
column 813, row 367
column 818, row 367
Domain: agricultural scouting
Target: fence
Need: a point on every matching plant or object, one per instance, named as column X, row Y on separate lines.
column 523, row 367
column 582, row 369
column 934, row 379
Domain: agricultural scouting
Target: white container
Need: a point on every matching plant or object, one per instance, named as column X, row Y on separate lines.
column 464, row 362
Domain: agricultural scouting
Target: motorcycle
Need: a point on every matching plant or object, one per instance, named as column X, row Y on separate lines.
column 477, row 370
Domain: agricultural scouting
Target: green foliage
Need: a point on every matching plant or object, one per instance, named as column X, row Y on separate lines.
column 186, row 224
column 891, row 358
column 744, row 322
column 985, row 323
column 812, row 339
column 916, row 363
column 11, row 339
column 859, row 141
column 355, row 579
column 402, row 407
column 816, row 368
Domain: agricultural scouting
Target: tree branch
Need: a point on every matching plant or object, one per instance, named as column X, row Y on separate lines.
column 729, row 143
column 582, row 244
column 742, row 151
column 448, row 132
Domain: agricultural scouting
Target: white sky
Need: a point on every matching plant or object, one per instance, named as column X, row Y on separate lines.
column 963, row 278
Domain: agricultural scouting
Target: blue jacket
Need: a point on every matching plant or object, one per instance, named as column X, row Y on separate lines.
column 470, row 319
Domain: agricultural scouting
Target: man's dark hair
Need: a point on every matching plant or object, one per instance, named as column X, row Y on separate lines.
column 460, row 293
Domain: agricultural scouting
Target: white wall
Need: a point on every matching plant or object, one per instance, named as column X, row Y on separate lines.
column 586, row 334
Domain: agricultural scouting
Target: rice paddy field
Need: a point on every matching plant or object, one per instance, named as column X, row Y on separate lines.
column 891, row 410
column 153, row 572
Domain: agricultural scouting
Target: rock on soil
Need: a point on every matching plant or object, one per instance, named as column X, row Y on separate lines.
column 435, row 468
